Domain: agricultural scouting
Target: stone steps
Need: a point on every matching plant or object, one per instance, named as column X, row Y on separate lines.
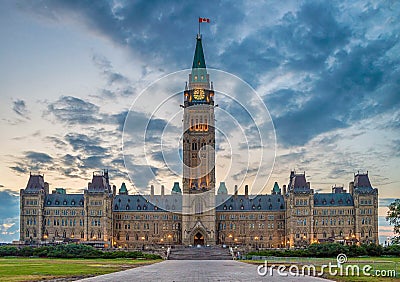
column 200, row 253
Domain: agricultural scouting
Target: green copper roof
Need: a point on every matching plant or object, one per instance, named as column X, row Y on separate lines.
column 123, row 189
column 198, row 61
column 222, row 189
column 276, row 188
column 199, row 71
column 176, row 189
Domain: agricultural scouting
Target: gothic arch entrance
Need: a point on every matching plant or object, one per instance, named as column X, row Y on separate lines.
column 198, row 239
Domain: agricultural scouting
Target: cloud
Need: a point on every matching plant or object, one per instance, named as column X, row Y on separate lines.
column 9, row 216
column 20, row 108
column 72, row 110
column 107, row 70
column 355, row 83
column 86, row 144
column 19, row 169
column 33, row 161
column 36, row 157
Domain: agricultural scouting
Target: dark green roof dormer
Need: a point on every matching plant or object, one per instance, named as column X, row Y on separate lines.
column 123, row 190
column 176, row 189
column 276, row 189
column 222, row 189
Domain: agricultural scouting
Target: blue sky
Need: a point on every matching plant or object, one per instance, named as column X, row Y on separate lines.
column 328, row 72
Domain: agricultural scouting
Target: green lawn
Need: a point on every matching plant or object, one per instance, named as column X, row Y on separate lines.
column 28, row 269
column 377, row 264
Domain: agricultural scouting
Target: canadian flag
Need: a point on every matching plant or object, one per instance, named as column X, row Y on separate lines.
column 204, row 20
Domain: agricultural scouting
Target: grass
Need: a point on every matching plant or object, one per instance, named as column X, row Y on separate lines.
column 29, row 269
column 376, row 263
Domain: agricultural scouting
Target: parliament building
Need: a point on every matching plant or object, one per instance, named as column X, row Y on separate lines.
column 200, row 213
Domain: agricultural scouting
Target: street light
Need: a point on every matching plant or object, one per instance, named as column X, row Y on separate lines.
column 142, row 242
column 256, row 238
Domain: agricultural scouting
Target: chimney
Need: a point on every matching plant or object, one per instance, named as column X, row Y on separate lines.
column 284, row 189
column 162, row 190
column 236, row 190
column 46, row 188
column 351, row 187
column 152, row 190
column 246, row 190
column 114, row 190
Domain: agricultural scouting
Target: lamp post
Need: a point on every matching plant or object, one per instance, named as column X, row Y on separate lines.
column 230, row 238
column 142, row 242
column 169, row 239
column 256, row 239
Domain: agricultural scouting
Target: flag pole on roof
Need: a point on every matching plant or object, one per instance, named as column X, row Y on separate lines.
column 202, row 20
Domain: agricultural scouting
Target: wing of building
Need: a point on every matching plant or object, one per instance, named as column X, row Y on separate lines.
column 293, row 216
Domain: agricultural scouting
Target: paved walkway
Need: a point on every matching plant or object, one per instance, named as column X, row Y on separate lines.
column 193, row 271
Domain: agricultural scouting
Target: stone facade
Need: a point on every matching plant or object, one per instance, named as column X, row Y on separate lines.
column 295, row 217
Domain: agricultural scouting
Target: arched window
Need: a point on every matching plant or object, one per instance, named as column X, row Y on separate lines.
column 82, row 235
column 127, row 237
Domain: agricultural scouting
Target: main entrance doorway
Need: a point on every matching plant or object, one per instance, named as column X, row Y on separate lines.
column 198, row 239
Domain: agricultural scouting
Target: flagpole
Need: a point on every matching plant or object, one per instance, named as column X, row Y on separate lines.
column 199, row 28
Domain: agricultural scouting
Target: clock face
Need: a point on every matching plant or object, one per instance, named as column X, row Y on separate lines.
column 198, row 94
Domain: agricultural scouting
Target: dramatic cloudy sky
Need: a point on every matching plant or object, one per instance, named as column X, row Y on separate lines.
column 69, row 71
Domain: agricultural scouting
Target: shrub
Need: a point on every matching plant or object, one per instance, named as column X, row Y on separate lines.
column 8, row 251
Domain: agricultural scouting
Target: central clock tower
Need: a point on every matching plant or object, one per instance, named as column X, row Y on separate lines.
column 198, row 203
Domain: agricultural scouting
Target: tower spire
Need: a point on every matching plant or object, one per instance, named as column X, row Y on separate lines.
column 199, row 77
column 198, row 60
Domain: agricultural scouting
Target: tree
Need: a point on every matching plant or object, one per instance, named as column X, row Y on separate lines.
column 393, row 216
